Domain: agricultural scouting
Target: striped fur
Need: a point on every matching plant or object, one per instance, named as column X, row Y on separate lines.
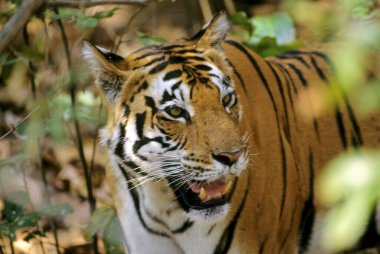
column 175, row 109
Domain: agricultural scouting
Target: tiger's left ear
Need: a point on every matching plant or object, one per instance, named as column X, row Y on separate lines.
column 110, row 70
column 213, row 33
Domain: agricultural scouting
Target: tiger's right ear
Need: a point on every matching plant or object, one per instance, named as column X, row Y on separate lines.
column 110, row 70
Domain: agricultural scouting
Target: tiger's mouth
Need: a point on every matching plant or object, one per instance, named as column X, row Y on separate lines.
column 201, row 195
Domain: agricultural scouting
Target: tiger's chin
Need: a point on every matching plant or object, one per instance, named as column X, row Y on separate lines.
column 209, row 215
column 205, row 200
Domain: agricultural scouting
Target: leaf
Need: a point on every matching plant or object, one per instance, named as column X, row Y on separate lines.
column 33, row 234
column 56, row 210
column 278, row 25
column 149, row 40
column 113, row 237
column 349, row 187
column 99, row 220
column 11, row 211
column 28, row 220
column 88, row 22
column 239, row 18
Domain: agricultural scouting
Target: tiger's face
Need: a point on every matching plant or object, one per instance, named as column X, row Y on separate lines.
column 175, row 118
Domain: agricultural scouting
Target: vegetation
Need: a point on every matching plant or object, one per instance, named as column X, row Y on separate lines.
column 47, row 100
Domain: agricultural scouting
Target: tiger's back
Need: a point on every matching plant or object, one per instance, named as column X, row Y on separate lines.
column 179, row 154
column 278, row 94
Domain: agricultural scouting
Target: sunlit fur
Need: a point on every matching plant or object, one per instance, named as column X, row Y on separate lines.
column 271, row 206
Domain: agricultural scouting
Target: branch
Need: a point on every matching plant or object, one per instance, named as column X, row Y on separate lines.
column 28, row 7
column 89, row 3
column 13, row 27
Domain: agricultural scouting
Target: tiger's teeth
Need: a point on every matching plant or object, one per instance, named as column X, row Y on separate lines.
column 228, row 187
column 202, row 194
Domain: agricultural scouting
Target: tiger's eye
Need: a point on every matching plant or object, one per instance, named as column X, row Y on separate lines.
column 175, row 111
column 227, row 99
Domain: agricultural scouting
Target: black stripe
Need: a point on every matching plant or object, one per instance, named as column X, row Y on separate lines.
column 170, row 47
column 172, row 74
column 136, row 202
column 140, row 120
column 262, row 245
column 237, row 74
column 203, row 67
column 119, row 150
column 288, row 88
column 279, row 85
column 299, row 74
column 159, row 68
column 371, row 237
column 308, row 212
column 265, row 82
column 354, row 122
column 325, row 58
column 227, row 237
column 293, row 57
column 167, row 97
column 320, row 73
column 341, row 129
column 156, row 60
column 357, row 138
column 185, row 226
column 295, row 90
column 151, row 53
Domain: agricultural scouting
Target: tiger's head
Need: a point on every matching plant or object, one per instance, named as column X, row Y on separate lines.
column 174, row 115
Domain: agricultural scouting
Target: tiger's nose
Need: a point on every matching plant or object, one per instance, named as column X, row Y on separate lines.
column 228, row 158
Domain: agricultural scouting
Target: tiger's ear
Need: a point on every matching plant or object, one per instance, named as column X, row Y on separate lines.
column 213, row 33
column 110, row 70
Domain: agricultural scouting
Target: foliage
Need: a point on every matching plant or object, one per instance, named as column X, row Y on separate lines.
column 105, row 220
column 268, row 35
column 81, row 19
column 146, row 39
column 349, row 184
column 17, row 217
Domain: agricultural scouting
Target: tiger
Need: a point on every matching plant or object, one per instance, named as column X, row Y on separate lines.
column 208, row 152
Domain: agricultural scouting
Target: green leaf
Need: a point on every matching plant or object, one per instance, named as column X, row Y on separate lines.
column 28, row 220
column 87, row 23
column 99, row 220
column 349, row 186
column 56, row 210
column 11, row 211
column 113, row 237
column 33, row 234
column 149, row 40
column 278, row 25
column 105, row 14
column 239, row 18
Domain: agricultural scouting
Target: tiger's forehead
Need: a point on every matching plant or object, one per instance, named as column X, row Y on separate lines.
column 174, row 66
column 170, row 54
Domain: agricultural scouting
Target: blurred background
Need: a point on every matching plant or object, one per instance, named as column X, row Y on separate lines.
column 53, row 193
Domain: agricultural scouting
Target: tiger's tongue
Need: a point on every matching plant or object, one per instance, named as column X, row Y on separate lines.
column 214, row 189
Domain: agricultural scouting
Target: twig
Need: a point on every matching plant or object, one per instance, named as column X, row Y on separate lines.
column 32, row 71
column 89, row 3
column 230, row 6
column 18, row 21
column 13, row 129
column 79, row 142
column 133, row 16
column 29, row 7
column 206, row 10
column 11, row 245
column 94, row 142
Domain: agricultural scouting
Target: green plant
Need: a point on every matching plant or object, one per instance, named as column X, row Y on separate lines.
column 268, row 35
